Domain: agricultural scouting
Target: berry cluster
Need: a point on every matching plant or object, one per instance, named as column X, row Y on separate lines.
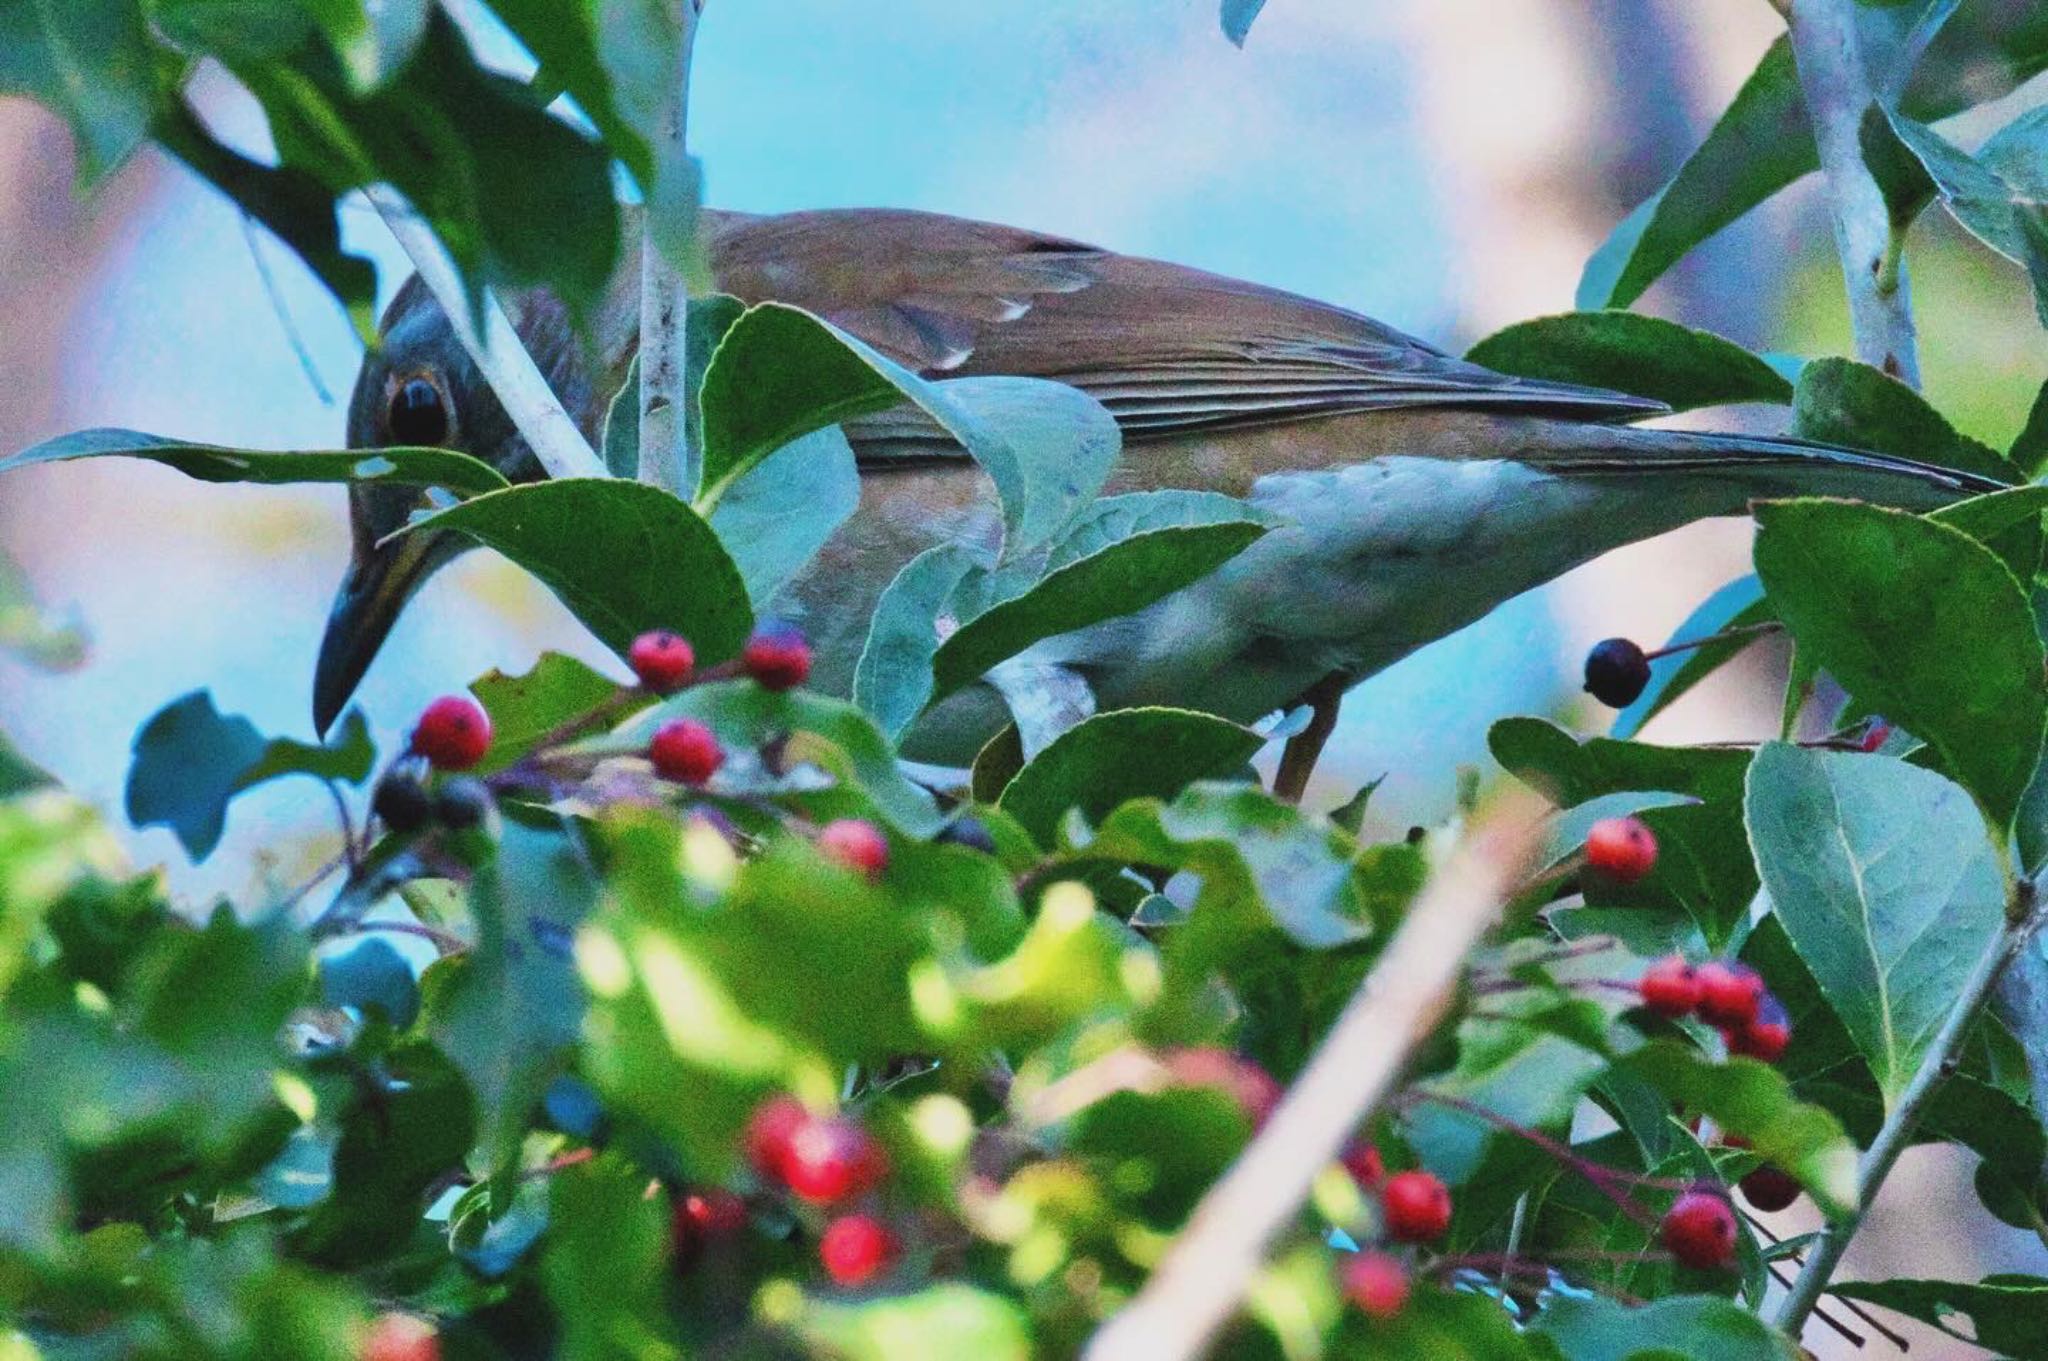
column 1726, row 994
column 826, row 1162
column 683, row 750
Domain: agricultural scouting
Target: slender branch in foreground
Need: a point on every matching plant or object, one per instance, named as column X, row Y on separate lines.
column 668, row 456
column 499, row 353
column 1205, row 1274
column 1829, row 54
column 1899, row 1124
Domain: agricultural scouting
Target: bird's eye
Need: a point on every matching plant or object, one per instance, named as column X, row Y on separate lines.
column 418, row 415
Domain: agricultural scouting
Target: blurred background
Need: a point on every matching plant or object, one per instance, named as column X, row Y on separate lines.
column 1445, row 165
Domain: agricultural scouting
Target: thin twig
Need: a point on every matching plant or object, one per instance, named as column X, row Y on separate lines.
column 1904, row 1117
column 1399, row 1005
column 1829, row 53
column 284, row 316
column 667, row 447
column 499, row 353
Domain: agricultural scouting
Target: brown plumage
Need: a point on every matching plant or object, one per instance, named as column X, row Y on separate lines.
column 1419, row 490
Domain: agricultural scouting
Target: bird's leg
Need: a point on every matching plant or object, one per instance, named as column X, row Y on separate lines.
column 1298, row 758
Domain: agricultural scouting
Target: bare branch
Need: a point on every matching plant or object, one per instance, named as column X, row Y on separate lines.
column 1832, row 75
column 499, row 353
column 668, row 456
column 1197, row 1287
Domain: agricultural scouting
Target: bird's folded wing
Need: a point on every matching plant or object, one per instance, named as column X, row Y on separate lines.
column 1169, row 350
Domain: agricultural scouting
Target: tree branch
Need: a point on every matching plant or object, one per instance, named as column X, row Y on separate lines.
column 499, row 353
column 668, row 450
column 1829, row 52
column 1197, row 1287
column 1900, row 1122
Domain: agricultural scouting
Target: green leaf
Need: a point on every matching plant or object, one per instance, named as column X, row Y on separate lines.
column 828, row 732
column 1991, row 208
column 934, row 1324
column 780, row 373
column 1754, row 1101
column 1885, row 884
column 606, row 1263
column 371, row 974
column 513, row 1006
column 1126, row 754
column 445, row 468
column 525, row 709
column 1736, row 605
column 1570, row 771
column 1922, row 624
column 1120, row 579
column 18, row 774
column 1238, row 17
column 348, row 756
column 894, row 678
column 624, row 558
column 776, row 517
column 1839, row 401
column 189, row 761
column 710, row 318
column 90, row 61
column 1442, row 1325
column 2006, row 522
column 1640, row 355
column 2029, row 451
column 621, row 449
column 2008, row 1314
column 1594, row 1328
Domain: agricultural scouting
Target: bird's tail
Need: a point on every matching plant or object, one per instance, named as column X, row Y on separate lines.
column 1758, row 466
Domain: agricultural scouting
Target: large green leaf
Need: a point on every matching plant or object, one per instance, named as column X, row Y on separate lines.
column 1629, row 352
column 1126, row 576
column 525, row 709
column 941, row 1321
column 1127, row 754
column 2007, row 1314
column 894, row 678
column 1922, row 624
column 624, row 558
column 445, row 468
column 1885, row 883
column 1570, row 770
column 90, row 61
column 780, row 373
column 776, row 517
column 1990, row 207
column 606, row 1262
column 1839, row 401
column 1594, row 1328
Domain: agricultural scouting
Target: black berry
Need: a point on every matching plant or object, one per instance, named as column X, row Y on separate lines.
column 462, row 804
column 1616, row 672
column 972, row 833
column 402, row 803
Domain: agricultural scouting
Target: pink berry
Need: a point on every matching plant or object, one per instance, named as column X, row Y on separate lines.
column 663, row 661
column 402, row 1337
column 777, row 657
column 1670, row 987
column 1729, row 992
column 453, row 733
column 1376, row 1283
column 770, row 1129
column 1623, row 849
column 856, row 1249
column 685, row 751
column 1245, row 1082
column 830, row 1161
column 1767, row 1035
column 856, row 844
column 1418, row 1207
column 1700, row 1229
column 1363, row 1162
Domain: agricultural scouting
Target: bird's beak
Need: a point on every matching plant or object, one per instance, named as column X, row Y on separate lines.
column 380, row 579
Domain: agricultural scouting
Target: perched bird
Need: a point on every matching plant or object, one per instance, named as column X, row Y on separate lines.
column 1415, row 491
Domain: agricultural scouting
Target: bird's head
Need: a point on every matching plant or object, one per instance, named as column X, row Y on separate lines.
column 420, row 387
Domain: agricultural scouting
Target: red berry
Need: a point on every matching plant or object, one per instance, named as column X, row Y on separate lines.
column 1729, row 992
column 698, row 1218
column 1623, row 849
column 1769, row 1188
column 770, row 1129
column 1670, row 987
column 857, row 1248
column 1766, row 1036
column 685, row 751
column 1376, row 1283
column 662, row 660
column 1362, row 1161
column 1250, row 1086
column 778, row 657
column 829, row 1161
column 402, row 1337
column 1875, row 736
column 856, row 844
column 453, row 733
column 1418, row 1207
column 1700, row 1229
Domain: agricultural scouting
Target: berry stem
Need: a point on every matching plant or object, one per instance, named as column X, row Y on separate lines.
column 1724, row 636
column 1606, row 1180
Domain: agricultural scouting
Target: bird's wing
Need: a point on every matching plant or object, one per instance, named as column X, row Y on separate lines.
column 1169, row 350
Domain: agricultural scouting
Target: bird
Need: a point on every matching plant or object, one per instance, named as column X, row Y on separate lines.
column 1412, row 491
